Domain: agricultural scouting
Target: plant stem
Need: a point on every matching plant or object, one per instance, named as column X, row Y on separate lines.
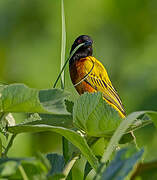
column 65, row 149
column 63, row 44
column 69, row 166
column 134, row 139
column 23, row 173
column 65, row 146
column 9, row 145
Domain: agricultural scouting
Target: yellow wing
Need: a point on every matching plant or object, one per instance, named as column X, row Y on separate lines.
column 97, row 77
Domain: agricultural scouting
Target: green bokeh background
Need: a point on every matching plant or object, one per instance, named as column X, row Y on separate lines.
column 125, row 41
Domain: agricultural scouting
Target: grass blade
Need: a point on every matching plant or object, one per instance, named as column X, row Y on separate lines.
column 63, row 44
column 65, row 146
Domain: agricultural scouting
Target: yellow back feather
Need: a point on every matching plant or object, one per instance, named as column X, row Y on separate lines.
column 99, row 80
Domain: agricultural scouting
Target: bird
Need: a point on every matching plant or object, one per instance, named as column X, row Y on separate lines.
column 89, row 75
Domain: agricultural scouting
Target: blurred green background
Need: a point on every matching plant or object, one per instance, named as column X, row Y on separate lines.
column 125, row 41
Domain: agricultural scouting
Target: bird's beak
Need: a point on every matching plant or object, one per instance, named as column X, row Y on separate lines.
column 88, row 43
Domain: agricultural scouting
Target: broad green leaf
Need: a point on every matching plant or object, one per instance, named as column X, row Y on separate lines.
column 42, row 158
column 8, row 168
column 78, row 169
column 20, row 98
column 32, row 167
column 69, row 106
column 138, row 124
column 153, row 116
column 122, row 164
column 93, row 115
column 146, row 137
column 88, row 168
column 71, row 135
column 57, row 163
column 50, row 119
column 126, row 138
column 125, row 124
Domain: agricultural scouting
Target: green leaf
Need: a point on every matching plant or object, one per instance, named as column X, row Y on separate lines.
column 143, row 121
column 94, row 116
column 146, row 136
column 153, row 116
column 20, row 98
column 56, row 177
column 69, row 106
column 31, row 166
column 125, row 124
column 71, row 135
column 50, row 119
column 3, row 83
column 57, row 163
column 126, row 138
column 44, row 161
column 122, row 164
column 53, row 101
column 140, row 123
column 88, row 168
column 8, row 168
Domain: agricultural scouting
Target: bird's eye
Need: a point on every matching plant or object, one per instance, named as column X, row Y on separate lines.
column 79, row 41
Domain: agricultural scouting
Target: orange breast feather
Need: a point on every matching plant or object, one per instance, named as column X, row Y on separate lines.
column 78, row 73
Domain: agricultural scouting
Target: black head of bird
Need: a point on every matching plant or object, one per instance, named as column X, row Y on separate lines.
column 83, row 51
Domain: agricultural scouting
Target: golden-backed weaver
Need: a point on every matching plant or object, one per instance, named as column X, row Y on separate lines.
column 89, row 75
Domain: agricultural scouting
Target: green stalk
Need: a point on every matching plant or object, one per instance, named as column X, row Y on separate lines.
column 63, row 45
column 69, row 166
column 23, row 173
column 65, row 147
column 9, row 145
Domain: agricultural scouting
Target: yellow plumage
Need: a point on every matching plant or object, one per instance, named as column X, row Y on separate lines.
column 91, row 76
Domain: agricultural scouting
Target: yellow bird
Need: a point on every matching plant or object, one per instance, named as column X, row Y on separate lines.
column 89, row 75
